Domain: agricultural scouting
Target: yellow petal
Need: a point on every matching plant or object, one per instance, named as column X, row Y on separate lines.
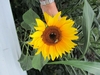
column 40, row 28
column 48, row 19
column 46, row 16
column 36, row 34
column 67, row 24
column 69, row 43
column 38, row 43
column 61, row 22
column 72, row 37
column 60, row 48
column 40, row 48
column 56, row 18
column 40, row 23
column 68, row 30
column 52, row 52
column 31, row 43
column 69, row 33
column 38, row 51
column 50, row 22
column 45, row 51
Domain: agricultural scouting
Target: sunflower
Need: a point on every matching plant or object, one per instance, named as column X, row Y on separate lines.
column 54, row 37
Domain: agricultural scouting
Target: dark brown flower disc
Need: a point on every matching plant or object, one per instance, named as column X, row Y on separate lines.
column 51, row 35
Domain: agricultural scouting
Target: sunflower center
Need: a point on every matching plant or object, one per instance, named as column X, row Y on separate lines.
column 51, row 35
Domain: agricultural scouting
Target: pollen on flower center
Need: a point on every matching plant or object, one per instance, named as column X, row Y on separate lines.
column 51, row 35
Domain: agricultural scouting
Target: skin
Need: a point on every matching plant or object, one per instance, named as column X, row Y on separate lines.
column 51, row 8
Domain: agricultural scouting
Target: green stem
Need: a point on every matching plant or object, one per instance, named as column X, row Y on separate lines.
column 73, row 70
column 95, row 52
column 84, row 73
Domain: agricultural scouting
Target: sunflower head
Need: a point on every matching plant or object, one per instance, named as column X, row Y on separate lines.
column 54, row 37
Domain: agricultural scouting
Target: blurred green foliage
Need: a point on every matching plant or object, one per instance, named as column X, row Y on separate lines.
column 74, row 10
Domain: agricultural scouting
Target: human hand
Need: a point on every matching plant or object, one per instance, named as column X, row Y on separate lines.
column 51, row 8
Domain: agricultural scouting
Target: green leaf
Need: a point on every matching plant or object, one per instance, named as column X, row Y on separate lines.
column 29, row 18
column 88, row 16
column 25, row 26
column 98, row 16
column 92, row 67
column 25, row 62
column 38, row 61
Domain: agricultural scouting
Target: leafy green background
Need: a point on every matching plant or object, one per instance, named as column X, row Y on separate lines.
column 85, row 58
